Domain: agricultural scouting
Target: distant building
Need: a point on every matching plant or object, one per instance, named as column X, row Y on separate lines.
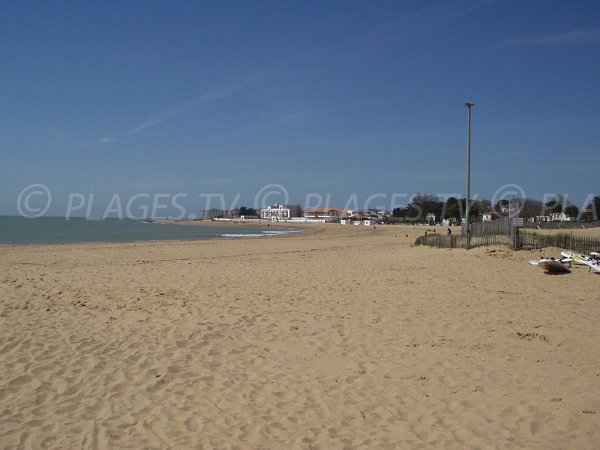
column 275, row 213
column 327, row 214
column 361, row 218
column 212, row 214
column 245, row 218
column 451, row 221
column 554, row 217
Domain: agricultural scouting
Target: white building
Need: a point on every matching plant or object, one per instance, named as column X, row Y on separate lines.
column 359, row 219
column 327, row 214
column 554, row 217
column 276, row 212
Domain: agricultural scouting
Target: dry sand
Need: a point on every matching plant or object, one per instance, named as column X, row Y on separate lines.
column 345, row 338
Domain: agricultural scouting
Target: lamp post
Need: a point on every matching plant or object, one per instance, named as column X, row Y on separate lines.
column 469, row 107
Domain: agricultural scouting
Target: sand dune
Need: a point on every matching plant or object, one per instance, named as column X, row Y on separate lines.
column 344, row 338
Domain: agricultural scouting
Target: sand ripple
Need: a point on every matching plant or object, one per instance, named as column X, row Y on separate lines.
column 333, row 340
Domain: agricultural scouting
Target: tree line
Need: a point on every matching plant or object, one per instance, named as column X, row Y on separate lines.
column 421, row 205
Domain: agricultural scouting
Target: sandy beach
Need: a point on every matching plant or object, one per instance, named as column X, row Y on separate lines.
column 346, row 337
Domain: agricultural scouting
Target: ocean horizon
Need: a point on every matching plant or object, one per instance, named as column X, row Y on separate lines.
column 15, row 230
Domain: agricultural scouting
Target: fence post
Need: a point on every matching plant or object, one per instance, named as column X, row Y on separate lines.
column 515, row 238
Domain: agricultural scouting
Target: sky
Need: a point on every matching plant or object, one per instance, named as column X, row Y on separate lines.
column 345, row 103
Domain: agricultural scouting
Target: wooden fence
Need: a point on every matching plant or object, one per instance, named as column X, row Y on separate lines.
column 561, row 225
column 499, row 232
column 500, row 226
column 460, row 241
column 579, row 244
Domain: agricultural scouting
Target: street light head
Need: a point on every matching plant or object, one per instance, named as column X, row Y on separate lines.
column 469, row 105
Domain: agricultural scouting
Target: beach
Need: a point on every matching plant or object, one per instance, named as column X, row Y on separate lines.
column 339, row 337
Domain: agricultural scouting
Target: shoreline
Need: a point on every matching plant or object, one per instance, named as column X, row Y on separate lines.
column 311, row 230
column 413, row 230
column 167, row 240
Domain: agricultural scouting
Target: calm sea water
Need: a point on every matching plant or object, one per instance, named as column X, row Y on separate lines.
column 45, row 230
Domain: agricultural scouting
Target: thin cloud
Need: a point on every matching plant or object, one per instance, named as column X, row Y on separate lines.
column 105, row 140
column 283, row 120
column 211, row 96
column 158, row 118
column 424, row 21
column 571, row 37
column 417, row 23
column 100, row 141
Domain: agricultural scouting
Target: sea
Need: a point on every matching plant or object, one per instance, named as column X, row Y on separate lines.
column 56, row 230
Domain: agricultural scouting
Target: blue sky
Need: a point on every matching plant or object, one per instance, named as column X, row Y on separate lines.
column 335, row 98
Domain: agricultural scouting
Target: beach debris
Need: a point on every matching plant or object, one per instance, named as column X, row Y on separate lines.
column 532, row 336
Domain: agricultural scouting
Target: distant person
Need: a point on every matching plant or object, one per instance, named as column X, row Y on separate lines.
column 449, row 231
